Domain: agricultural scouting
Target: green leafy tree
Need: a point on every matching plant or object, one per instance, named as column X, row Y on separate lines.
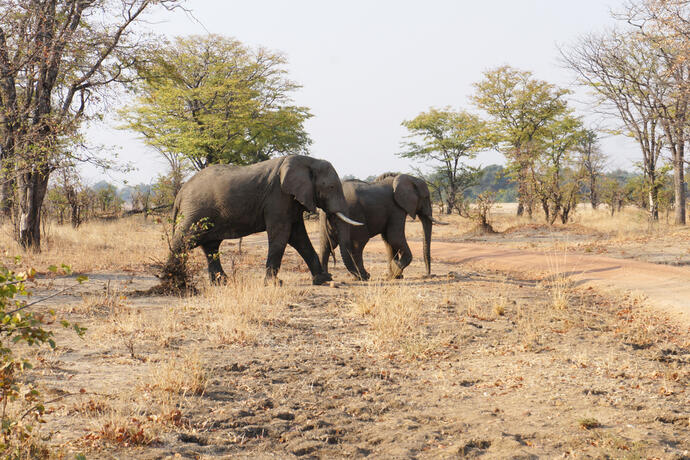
column 108, row 199
column 448, row 138
column 555, row 177
column 591, row 162
column 211, row 99
column 520, row 106
column 165, row 189
column 612, row 194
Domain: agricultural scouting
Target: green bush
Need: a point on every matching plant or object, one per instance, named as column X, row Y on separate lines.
column 19, row 325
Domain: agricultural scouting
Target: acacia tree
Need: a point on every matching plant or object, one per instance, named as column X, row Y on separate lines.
column 591, row 162
column 57, row 58
column 211, row 99
column 519, row 106
column 447, row 137
column 555, row 179
column 627, row 77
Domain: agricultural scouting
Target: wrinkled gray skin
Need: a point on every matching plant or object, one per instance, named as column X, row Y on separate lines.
column 223, row 201
column 382, row 206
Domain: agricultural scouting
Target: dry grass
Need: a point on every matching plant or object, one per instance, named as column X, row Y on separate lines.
column 236, row 312
column 175, row 351
column 395, row 316
column 393, row 311
column 138, row 416
column 125, row 244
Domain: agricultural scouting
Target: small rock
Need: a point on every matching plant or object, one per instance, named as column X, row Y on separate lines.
column 334, row 284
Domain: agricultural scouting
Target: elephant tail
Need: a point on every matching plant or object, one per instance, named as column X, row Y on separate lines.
column 176, row 210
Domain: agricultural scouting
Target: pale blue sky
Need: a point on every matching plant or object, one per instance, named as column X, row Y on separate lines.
column 367, row 65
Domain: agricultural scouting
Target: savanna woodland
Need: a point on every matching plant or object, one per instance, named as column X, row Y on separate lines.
column 550, row 320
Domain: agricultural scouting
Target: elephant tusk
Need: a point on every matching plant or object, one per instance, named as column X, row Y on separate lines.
column 438, row 222
column 344, row 218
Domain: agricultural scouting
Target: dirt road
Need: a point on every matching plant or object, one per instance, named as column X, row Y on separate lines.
column 666, row 287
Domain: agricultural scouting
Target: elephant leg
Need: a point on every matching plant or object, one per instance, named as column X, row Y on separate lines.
column 299, row 239
column 390, row 255
column 278, row 236
column 358, row 259
column 399, row 253
column 327, row 247
column 215, row 270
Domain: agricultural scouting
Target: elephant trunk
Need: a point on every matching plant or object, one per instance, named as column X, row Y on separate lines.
column 426, row 226
column 345, row 243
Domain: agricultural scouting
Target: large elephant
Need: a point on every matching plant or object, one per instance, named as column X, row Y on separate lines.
column 382, row 206
column 223, row 201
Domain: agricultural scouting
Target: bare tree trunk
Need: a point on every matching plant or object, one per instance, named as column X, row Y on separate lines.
column 32, row 190
column 593, row 198
column 6, row 178
column 6, row 195
column 679, row 185
column 654, row 202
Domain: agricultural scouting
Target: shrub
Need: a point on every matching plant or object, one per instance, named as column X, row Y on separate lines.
column 18, row 326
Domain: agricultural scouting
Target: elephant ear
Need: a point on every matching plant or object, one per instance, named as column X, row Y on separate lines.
column 405, row 194
column 296, row 180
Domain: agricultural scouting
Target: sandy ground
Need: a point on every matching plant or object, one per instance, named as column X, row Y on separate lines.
column 666, row 287
column 489, row 359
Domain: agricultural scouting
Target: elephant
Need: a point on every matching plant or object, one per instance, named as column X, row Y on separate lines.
column 382, row 206
column 225, row 201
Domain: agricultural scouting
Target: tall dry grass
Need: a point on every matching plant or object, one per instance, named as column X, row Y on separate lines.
column 124, row 244
column 395, row 314
column 236, row 312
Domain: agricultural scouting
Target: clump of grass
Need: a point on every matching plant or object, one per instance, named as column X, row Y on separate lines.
column 186, row 375
column 109, row 302
column 530, row 326
column 124, row 431
column 499, row 305
column 561, row 292
column 395, row 314
column 237, row 311
column 588, row 423
column 483, row 308
column 393, row 311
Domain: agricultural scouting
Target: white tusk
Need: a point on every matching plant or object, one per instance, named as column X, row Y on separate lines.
column 436, row 222
column 344, row 218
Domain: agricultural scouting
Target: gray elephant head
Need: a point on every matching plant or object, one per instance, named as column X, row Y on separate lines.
column 315, row 184
column 412, row 194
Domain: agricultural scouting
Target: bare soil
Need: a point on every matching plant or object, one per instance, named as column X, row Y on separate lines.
column 665, row 286
column 499, row 365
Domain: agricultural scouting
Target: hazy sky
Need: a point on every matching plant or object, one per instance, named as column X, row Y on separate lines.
column 365, row 66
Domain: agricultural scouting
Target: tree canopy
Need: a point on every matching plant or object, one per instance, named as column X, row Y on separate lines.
column 448, row 138
column 519, row 107
column 212, row 99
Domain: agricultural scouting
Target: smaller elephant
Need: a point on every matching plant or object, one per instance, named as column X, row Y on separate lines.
column 382, row 206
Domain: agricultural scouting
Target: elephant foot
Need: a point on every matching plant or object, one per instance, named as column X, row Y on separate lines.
column 321, row 278
column 360, row 276
column 218, row 279
column 273, row 281
column 392, row 276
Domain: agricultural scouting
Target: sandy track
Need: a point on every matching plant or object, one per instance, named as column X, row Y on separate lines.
column 666, row 287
